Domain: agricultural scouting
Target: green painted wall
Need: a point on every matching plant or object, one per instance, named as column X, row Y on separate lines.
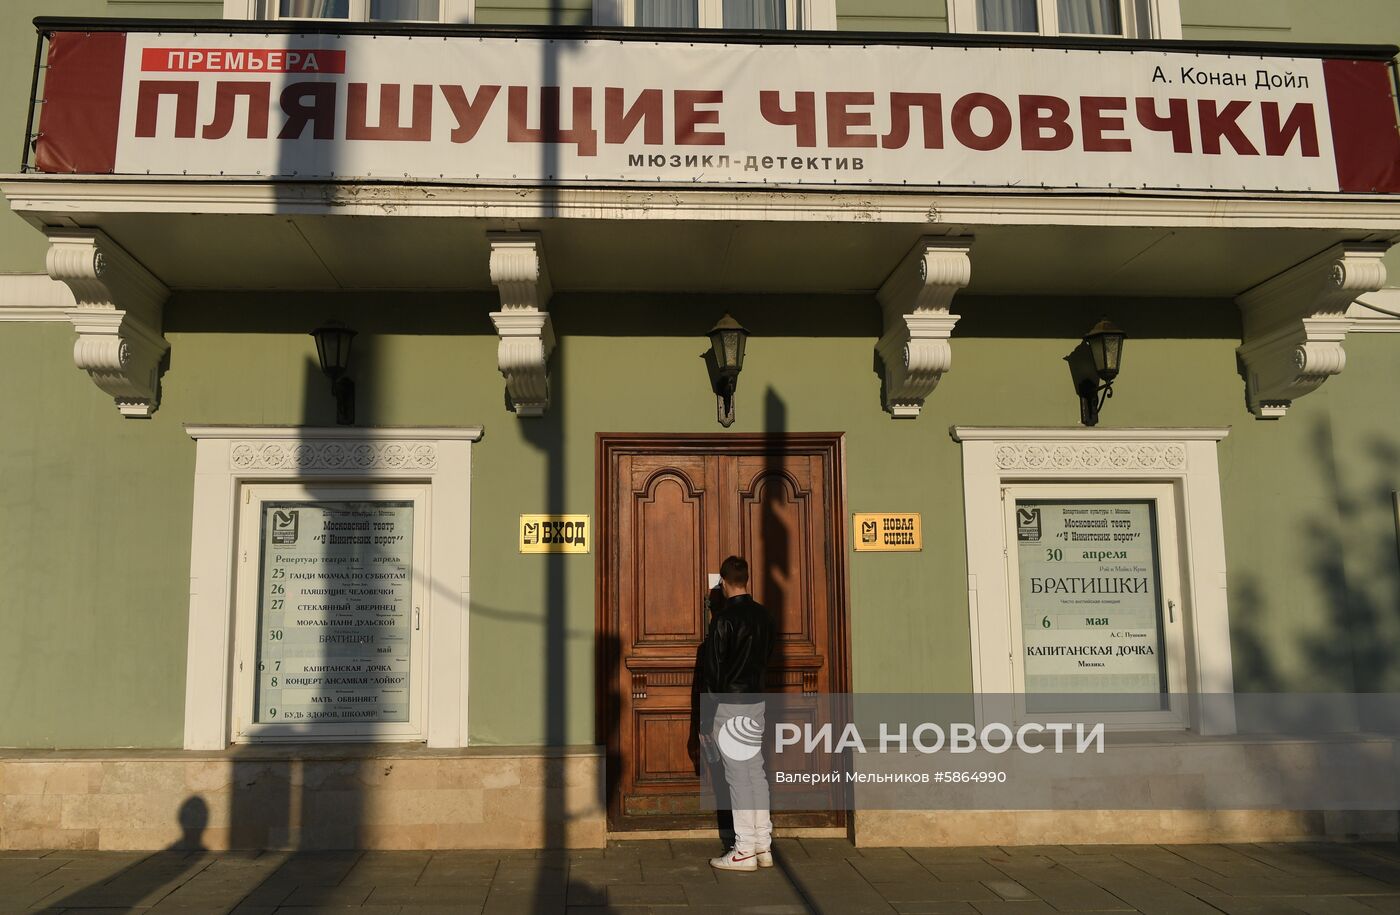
column 534, row 12
column 1353, row 21
column 1366, row 456
column 163, row 9
column 95, row 548
column 892, row 15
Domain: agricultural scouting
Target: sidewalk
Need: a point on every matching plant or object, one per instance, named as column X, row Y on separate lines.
column 826, row 875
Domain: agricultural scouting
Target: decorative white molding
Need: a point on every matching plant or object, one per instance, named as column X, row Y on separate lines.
column 1185, row 458
column 1376, row 313
column 916, row 298
column 1075, row 434
column 523, row 324
column 33, row 297
column 117, row 313
column 1294, row 324
column 227, row 457
column 40, row 197
column 336, row 433
column 323, row 456
column 1105, row 456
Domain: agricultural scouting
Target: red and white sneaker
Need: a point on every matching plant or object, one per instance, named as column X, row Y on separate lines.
column 735, row 860
column 765, row 858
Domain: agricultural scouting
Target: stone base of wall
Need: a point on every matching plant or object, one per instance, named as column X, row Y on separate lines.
column 1166, row 765
column 375, row 797
column 954, row 828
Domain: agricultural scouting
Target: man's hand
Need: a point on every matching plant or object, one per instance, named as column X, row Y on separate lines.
column 692, row 749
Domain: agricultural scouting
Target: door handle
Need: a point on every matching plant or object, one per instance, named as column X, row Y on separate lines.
column 1171, row 611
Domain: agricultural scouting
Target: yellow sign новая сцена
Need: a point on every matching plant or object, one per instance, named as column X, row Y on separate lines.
column 888, row 532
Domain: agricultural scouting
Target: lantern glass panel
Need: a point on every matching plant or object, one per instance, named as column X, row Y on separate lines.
column 333, row 348
column 1112, row 353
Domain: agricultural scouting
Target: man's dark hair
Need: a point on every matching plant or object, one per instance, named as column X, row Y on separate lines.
column 735, row 570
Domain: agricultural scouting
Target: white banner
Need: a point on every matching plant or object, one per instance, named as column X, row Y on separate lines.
column 501, row 110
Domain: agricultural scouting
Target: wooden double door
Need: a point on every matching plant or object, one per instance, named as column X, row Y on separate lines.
column 670, row 509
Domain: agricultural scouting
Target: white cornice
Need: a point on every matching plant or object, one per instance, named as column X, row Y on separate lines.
column 346, row 433
column 1376, row 312
column 34, row 297
column 1078, row 434
column 53, row 197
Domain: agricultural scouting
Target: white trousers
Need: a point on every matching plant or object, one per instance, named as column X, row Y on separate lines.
column 748, row 785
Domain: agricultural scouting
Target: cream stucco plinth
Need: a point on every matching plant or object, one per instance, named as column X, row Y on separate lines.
column 968, row 828
column 1159, row 765
column 328, row 797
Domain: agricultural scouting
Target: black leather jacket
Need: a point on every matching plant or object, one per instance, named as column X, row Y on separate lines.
column 734, row 658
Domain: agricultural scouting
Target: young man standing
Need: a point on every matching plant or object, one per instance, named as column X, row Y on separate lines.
column 734, row 664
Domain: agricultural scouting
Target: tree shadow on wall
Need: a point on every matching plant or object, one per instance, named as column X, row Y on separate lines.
column 1351, row 560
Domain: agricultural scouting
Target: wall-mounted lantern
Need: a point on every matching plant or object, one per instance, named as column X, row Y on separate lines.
column 727, row 360
column 1094, row 365
column 333, row 341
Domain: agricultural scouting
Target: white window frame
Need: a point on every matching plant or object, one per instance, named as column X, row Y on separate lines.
column 1165, row 19
column 1173, row 621
column 230, row 459
column 802, row 15
column 460, row 12
column 249, row 550
column 994, row 458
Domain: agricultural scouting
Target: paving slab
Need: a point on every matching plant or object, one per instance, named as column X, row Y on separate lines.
column 829, row 848
column 464, row 894
column 676, row 870
column 1145, row 893
column 935, row 908
column 1004, row 907
column 328, row 895
column 823, row 876
column 650, row 894
column 963, row 872
column 1226, row 861
column 936, row 891
column 1076, row 895
column 889, row 870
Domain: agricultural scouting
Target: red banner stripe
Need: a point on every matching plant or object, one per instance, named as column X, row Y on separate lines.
column 82, row 103
column 1364, row 129
column 242, row 60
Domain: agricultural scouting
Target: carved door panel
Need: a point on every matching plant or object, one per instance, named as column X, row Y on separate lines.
column 781, row 528
column 670, row 510
column 667, row 533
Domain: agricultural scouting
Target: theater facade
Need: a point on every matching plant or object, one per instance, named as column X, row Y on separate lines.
column 396, row 377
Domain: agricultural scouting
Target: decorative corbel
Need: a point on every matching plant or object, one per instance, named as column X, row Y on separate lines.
column 118, row 316
column 916, row 299
column 1294, row 324
column 523, row 324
